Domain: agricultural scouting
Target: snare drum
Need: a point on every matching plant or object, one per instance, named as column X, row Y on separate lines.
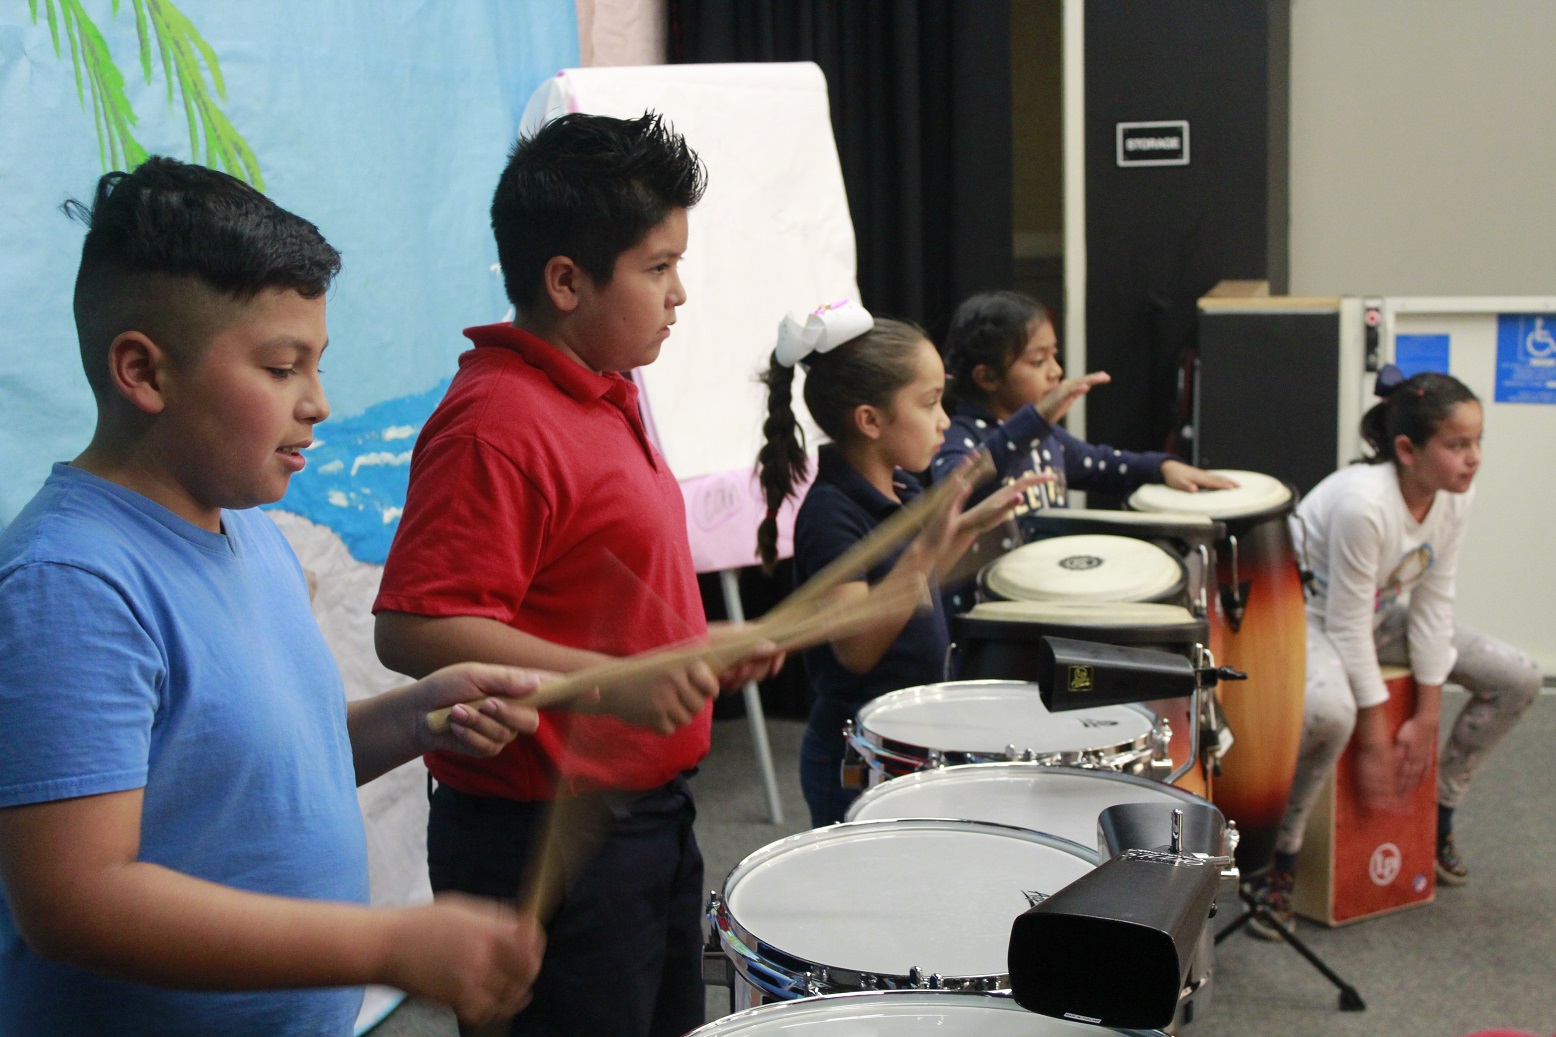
column 1062, row 801
column 1088, row 567
column 1258, row 626
column 900, row 1013
column 963, row 722
column 999, row 639
column 884, row 905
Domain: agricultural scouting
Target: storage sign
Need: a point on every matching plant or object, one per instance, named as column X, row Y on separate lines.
column 1153, row 143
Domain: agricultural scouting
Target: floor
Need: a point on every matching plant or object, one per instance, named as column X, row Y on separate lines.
column 1482, row 956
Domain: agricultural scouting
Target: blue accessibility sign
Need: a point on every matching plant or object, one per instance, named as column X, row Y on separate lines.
column 1526, row 358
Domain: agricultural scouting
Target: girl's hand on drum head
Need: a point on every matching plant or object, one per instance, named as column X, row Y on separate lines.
column 1186, row 477
column 1062, row 396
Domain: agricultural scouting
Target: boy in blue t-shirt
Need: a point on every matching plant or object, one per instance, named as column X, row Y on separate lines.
column 180, row 845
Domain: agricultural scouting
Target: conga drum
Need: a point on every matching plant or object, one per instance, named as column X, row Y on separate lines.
column 1088, row 567
column 1258, row 626
column 999, row 640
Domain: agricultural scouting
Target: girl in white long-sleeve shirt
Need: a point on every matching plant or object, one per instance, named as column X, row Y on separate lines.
column 1382, row 540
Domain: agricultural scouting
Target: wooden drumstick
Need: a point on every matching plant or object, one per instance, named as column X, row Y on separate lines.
column 880, row 542
column 800, row 628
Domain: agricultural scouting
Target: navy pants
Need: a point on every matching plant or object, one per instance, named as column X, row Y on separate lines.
column 624, row 952
column 821, row 762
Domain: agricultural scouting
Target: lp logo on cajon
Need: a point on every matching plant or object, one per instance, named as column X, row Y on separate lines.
column 1384, row 866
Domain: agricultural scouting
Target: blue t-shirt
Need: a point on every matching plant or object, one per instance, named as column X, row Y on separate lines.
column 839, row 510
column 140, row 651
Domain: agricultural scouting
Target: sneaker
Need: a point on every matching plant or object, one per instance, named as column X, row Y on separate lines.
column 1272, row 893
column 1451, row 869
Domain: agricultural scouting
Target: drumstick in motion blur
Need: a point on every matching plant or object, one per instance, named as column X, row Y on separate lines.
column 801, row 628
column 806, row 617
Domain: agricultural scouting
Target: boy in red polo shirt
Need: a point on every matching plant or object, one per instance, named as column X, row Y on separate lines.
column 542, row 527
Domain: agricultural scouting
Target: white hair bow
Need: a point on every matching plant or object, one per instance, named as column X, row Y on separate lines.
column 826, row 328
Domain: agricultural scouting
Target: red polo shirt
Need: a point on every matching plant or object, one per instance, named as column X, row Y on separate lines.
column 537, row 500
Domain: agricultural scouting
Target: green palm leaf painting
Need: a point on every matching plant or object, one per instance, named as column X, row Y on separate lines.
column 187, row 61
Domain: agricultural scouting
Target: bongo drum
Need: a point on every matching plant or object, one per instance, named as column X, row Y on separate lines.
column 883, row 905
column 1258, row 627
column 962, row 722
column 1088, row 567
column 999, row 639
column 901, row 1013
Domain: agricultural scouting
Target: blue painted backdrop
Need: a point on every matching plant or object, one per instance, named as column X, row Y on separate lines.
column 386, row 122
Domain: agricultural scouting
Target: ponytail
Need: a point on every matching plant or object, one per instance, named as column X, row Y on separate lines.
column 781, row 463
column 1413, row 407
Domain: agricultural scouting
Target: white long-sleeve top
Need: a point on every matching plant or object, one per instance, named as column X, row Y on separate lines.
column 1369, row 554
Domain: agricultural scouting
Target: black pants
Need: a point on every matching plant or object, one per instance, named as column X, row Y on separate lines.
column 624, row 952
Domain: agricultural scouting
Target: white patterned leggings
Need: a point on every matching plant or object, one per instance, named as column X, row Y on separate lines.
column 1501, row 680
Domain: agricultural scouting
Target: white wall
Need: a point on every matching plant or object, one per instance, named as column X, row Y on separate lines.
column 1423, row 147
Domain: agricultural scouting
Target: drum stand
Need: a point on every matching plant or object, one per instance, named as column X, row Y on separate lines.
column 1350, row 1000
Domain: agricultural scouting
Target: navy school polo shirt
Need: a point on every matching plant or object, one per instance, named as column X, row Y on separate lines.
column 840, row 509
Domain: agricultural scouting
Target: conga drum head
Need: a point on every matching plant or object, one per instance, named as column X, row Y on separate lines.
column 977, row 721
column 1089, row 567
column 900, row 1013
column 866, row 903
column 1062, row 801
column 1090, row 614
column 1255, row 494
column 1138, row 517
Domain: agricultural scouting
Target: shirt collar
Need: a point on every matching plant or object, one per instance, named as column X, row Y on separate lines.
column 975, row 411
column 832, row 467
column 567, row 374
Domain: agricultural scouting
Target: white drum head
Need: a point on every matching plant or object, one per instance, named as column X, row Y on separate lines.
column 1084, row 613
column 1121, row 518
column 885, row 896
column 898, row 1013
column 1255, row 493
column 1090, row 567
column 987, row 716
column 1058, row 800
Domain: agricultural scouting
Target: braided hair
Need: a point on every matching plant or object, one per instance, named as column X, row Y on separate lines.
column 866, row 371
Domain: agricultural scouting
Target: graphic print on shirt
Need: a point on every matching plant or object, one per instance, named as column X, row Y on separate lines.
column 1043, row 495
column 1409, row 571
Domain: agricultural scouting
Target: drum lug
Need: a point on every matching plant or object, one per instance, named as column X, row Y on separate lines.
column 869, row 981
column 1028, row 756
column 936, row 759
column 1011, row 754
column 936, row 982
column 816, row 982
column 916, row 978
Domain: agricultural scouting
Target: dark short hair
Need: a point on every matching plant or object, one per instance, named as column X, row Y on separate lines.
column 170, row 219
column 588, row 187
column 990, row 328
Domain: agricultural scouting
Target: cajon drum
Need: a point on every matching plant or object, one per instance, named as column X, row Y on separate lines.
column 1357, row 863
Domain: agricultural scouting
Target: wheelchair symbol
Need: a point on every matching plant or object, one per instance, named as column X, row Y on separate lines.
column 1540, row 342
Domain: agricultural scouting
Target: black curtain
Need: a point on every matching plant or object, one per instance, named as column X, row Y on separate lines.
column 920, row 96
